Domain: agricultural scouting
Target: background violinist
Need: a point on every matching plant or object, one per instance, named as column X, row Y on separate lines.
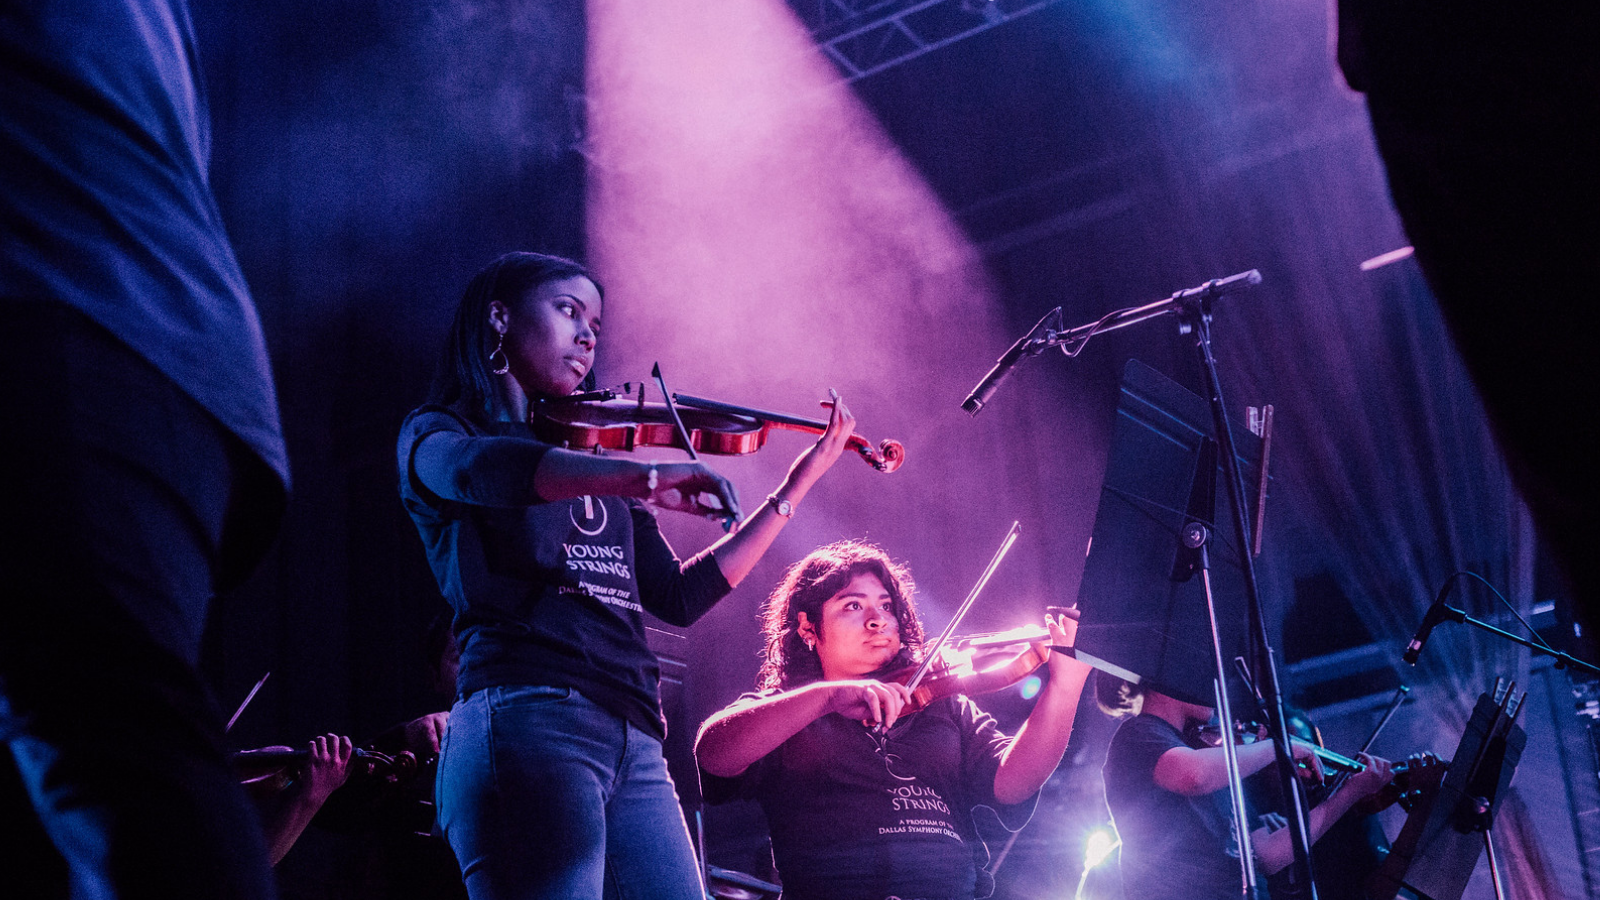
column 1168, row 796
column 289, row 804
column 551, row 780
column 402, row 855
column 381, row 794
column 875, row 810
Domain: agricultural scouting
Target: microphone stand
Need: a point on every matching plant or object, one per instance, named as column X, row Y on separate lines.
column 1048, row 332
column 1563, row 660
column 1193, row 307
column 1072, row 340
column 1195, row 536
column 1194, row 310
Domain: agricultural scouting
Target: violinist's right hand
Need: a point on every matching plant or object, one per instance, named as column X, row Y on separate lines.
column 691, row 487
column 1307, row 764
column 876, row 703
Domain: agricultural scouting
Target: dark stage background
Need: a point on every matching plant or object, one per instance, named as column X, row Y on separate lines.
column 768, row 230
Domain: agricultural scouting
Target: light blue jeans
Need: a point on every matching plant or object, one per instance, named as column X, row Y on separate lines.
column 543, row 794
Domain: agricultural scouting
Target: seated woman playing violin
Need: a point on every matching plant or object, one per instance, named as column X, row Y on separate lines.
column 867, row 798
column 551, row 781
column 1168, row 794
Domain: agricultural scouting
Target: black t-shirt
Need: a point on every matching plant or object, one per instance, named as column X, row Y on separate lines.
column 546, row 592
column 851, row 821
column 1172, row 846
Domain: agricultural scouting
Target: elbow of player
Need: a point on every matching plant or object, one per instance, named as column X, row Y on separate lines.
column 714, row 764
column 1187, row 782
column 713, row 754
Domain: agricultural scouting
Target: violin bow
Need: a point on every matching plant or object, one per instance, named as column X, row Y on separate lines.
column 677, row 420
column 247, row 698
column 933, row 651
column 1394, row 707
column 728, row 522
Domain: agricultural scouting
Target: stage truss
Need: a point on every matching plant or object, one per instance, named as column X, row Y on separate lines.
column 865, row 37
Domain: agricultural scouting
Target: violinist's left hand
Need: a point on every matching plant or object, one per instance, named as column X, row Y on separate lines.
column 737, row 553
column 1063, row 633
column 1041, row 742
column 327, row 768
column 320, row 775
column 1377, row 774
column 820, row 456
column 1307, row 764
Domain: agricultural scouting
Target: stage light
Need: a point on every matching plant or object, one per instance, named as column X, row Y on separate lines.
column 1030, row 687
column 1098, row 848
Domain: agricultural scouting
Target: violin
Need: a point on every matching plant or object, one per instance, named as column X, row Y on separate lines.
column 1417, row 774
column 603, row 420
column 965, row 673
column 1412, row 776
column 277, row 767
column 979, row 664
column 1250, row 732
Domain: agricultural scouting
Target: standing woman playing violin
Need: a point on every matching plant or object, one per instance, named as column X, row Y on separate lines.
column 551, row 781
column 868, row 811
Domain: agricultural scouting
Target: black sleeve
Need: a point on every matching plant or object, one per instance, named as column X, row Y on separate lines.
column 446, row 462
column 1136, row 748
column 982, row 746
column 743, row 786
column 676, row 593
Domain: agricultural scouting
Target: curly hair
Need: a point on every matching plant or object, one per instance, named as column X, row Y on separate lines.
column 786, row 662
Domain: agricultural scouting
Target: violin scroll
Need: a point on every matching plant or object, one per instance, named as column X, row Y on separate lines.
column 886, row 457
column 1414, row 776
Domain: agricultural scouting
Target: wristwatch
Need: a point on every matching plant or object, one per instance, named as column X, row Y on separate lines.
column 781, row 506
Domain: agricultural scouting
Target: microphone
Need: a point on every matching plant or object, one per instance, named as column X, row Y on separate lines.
column 1002, row 368
column 1437, row 613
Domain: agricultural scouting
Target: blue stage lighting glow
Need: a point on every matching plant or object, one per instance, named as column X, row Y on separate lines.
column 1030, row 687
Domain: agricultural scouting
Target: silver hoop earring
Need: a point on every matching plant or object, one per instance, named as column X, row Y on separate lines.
column 810, row 645
column 499, row 348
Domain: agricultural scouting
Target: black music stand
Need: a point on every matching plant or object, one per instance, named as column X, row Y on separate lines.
column 1193, row 307
column 1146, row 615
column 1144, row 611
column 1446, row 830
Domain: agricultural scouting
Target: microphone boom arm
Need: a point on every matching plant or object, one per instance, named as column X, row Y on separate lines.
column 1048, row 333
column 1122, row 318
